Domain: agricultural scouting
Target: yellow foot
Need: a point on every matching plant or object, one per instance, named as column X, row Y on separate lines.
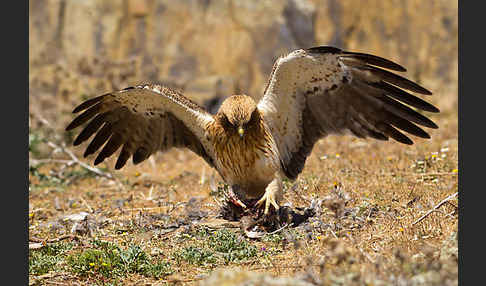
column 269, row 199
column 273, row 194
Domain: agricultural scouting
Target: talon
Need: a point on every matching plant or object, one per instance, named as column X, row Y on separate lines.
column 237, row 202
column 268, row 201
column 240, row 203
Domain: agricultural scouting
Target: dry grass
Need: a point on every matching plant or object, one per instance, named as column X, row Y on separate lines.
column 372, row 194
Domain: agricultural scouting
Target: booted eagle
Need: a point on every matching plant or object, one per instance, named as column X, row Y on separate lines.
column 253, row 145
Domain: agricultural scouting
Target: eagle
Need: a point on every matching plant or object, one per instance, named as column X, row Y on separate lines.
column 254, row 145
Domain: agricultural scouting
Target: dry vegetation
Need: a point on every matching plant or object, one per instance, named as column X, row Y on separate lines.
column 379, row 218
column 371, row 194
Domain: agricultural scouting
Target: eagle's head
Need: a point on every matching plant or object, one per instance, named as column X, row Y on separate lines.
column 238, row 114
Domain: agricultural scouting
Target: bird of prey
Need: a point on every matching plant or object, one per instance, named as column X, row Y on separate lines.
column 311, row 93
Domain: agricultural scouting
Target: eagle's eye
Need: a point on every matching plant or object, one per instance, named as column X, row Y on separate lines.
column 253, row 118
column 225, row 121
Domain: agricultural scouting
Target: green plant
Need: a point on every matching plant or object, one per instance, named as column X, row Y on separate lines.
column 232, row 247
column 34, row 141
column 195, row 255
column 109, row 260
column 47, row 258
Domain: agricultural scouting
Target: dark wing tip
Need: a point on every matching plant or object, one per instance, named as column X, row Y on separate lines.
column 77, row 141
column 367, row 58
column 123, row 157
column 425, row 91
column 388, row 130
column 324, row 50
column 407, row 141
column 98, row 160
column 88, row 103
column 402, row 138
column 140, row 155
column 434, row 109
column 120, row 163
column 375, row 60
column 433, row 125
column 378, row 62
column 83, row 117
column 70, row 126
column 395, row 79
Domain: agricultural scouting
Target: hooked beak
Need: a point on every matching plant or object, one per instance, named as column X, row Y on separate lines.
column 241, row 131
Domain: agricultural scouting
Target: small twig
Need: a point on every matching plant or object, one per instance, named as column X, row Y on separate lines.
column 436, row 207
column 176, row 205
column 284, row 266
column 140, row 209
column 450, row 214
column 178, row 280
column 38, row 210
column 37, row 243
column 41, row 119
column 280, row 229
column 40, row 161
column 82, row 164
column 436, row 174
column 58, row 283
column 333, row 233
column 149, row 196
column 202, row 180
column 418, row 174
column 51, row 274
column 71, row 154
column 57, row 239
column 366, row 255
column 369, row 215
column 86, row 204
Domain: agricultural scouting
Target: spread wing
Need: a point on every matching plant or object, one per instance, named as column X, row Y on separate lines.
column 142, row 120
column 324, row 90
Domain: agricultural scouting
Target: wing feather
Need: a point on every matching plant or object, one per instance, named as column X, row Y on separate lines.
column 393, row 78
column 141, row 120
column 84, row 117
column 373, row 60
column 124, row 156
column 99, row 139
column 405, row 97
column 323, row 90
column 90, row 129
column 88, row 103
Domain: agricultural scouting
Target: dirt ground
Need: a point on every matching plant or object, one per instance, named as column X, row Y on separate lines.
column 380, row 219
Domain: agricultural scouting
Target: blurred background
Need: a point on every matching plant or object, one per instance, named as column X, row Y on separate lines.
column 209, row 49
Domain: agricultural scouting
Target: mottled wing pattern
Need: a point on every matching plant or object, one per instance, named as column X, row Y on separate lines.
column 324, row 90
column 141, row 120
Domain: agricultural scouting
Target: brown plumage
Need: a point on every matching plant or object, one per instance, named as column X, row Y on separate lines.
column 251, row 146
column 311, row 93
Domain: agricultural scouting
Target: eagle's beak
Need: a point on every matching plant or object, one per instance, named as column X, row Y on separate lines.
column 241, row 131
